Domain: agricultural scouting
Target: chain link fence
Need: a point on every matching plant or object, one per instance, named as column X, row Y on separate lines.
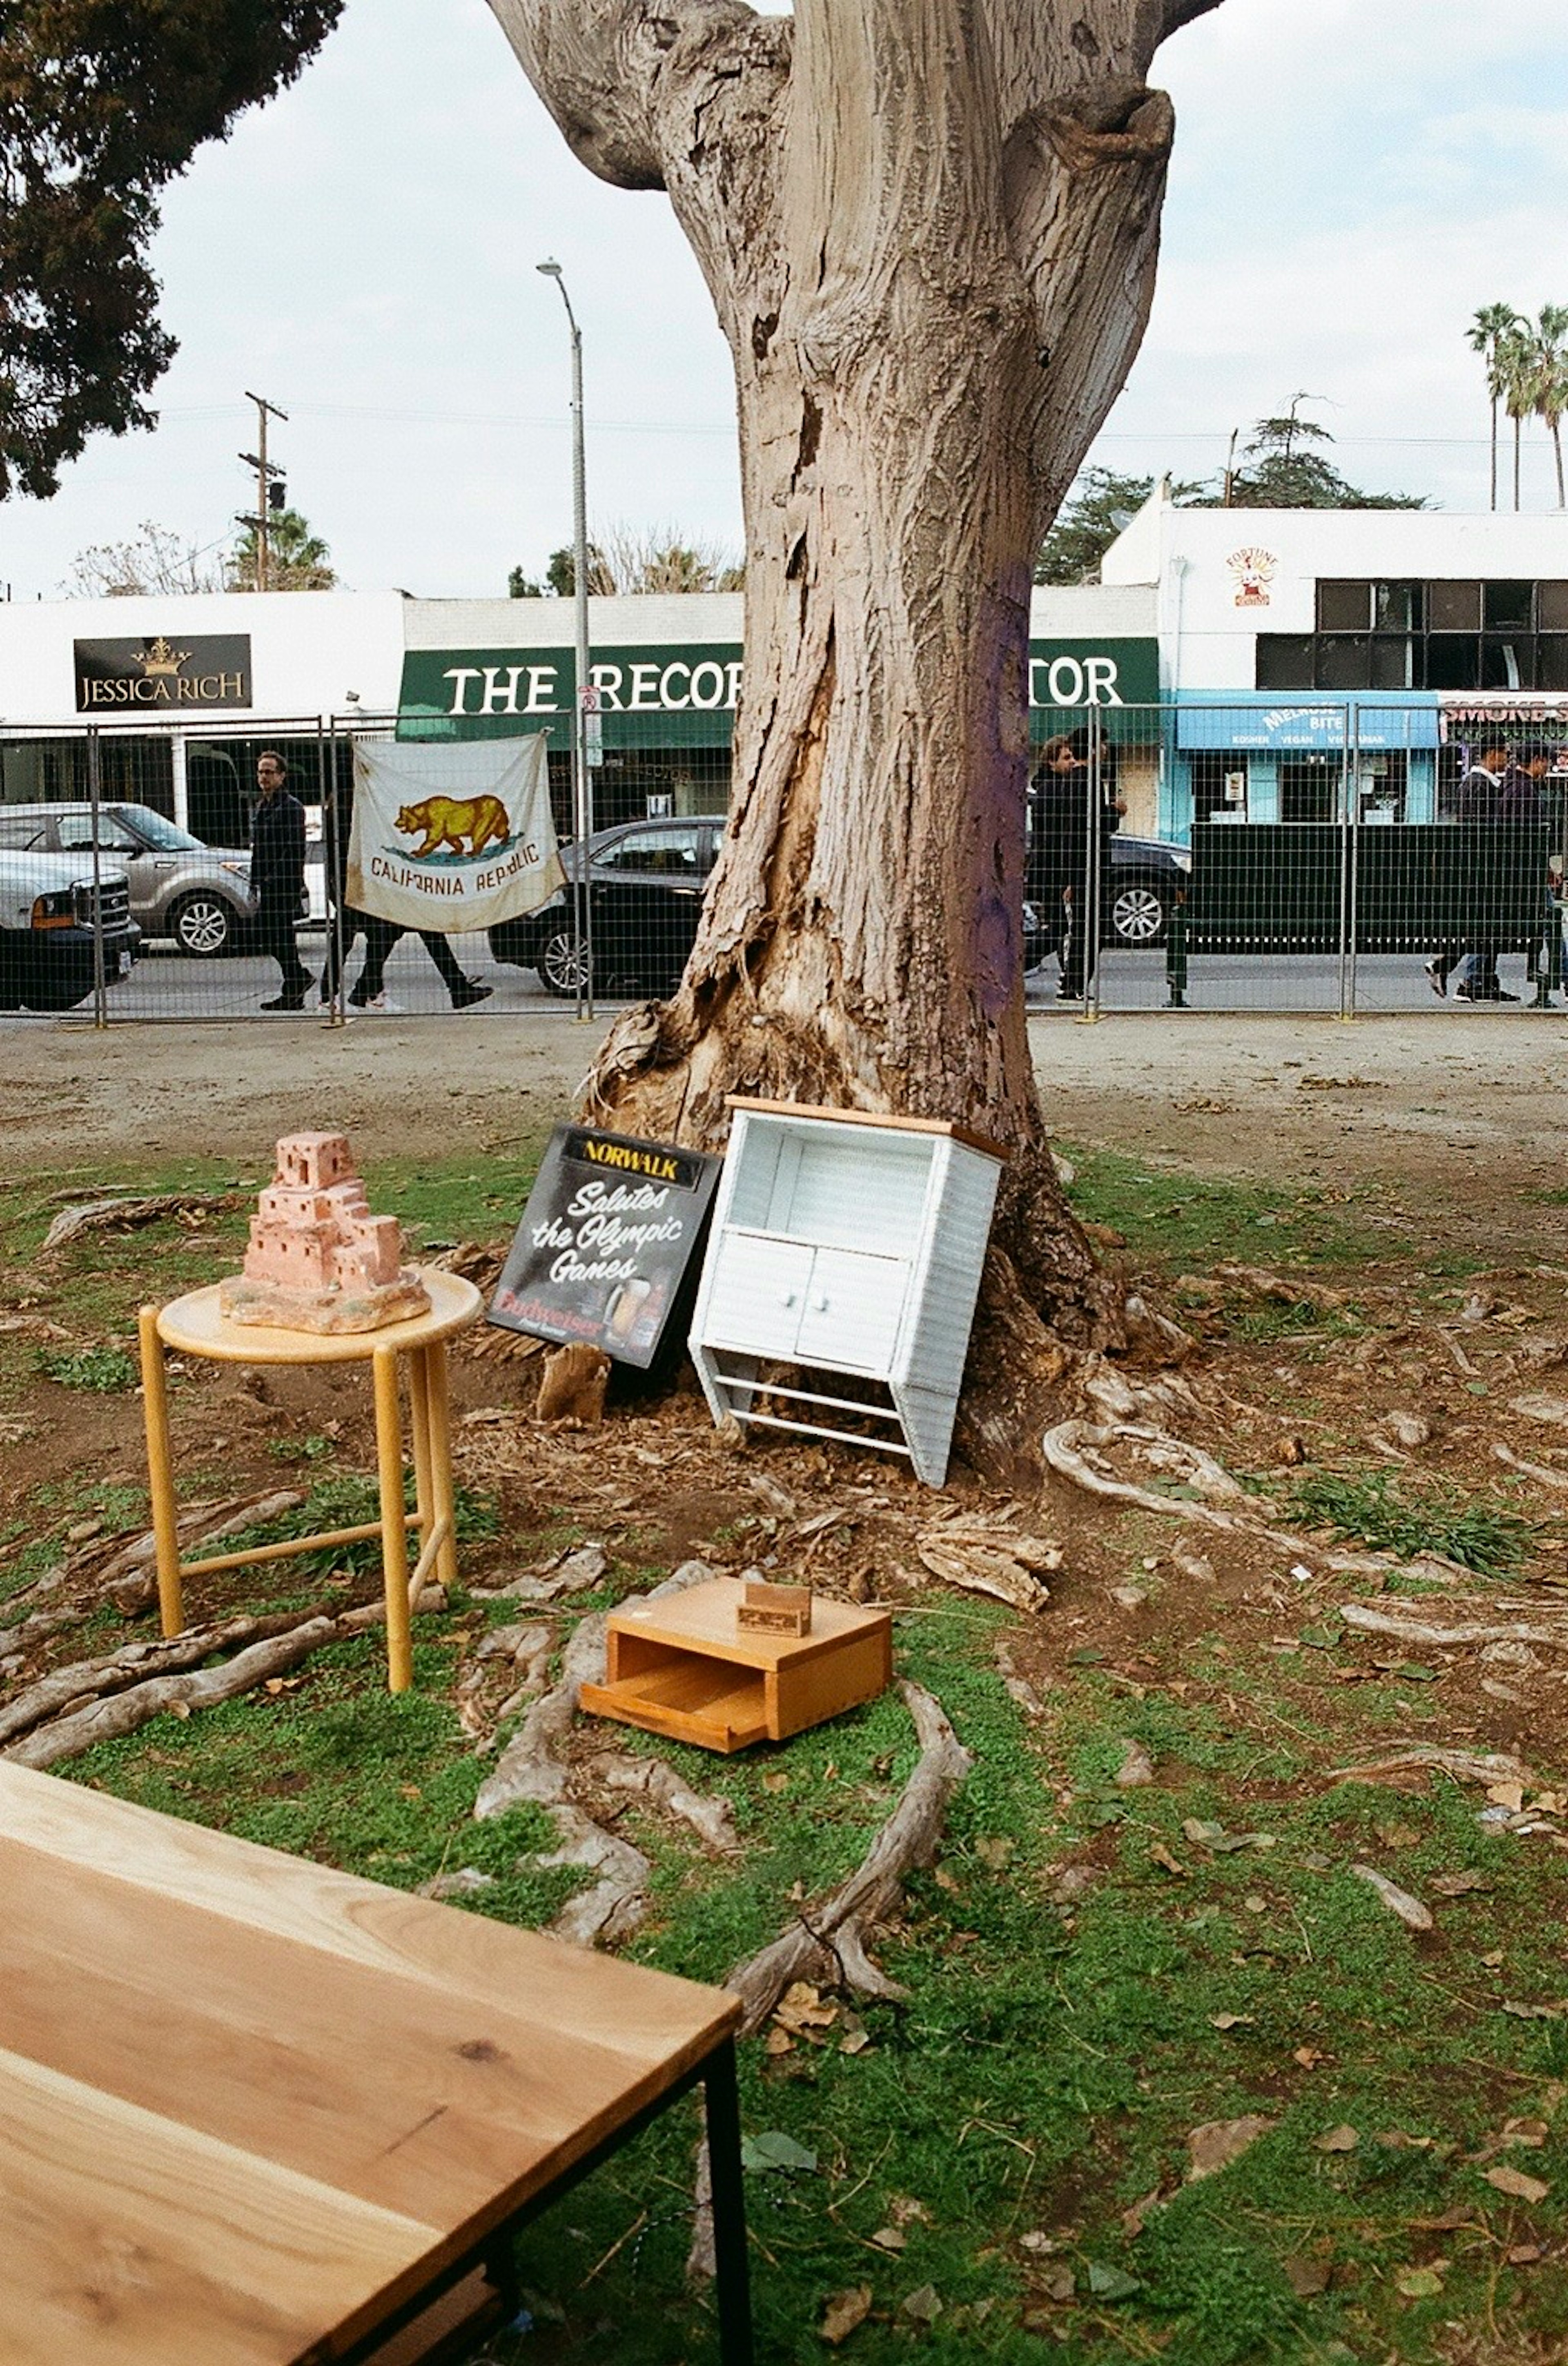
column 1231, row 855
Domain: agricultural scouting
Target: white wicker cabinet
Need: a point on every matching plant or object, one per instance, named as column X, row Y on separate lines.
column 845, row 1244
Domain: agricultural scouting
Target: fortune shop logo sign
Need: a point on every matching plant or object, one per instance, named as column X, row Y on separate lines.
column 1252, row 572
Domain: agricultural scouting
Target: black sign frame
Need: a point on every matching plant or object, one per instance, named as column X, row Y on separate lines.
column 607, row 1251
column 155, row 675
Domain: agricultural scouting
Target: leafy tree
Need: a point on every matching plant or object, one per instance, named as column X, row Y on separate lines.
column 1102, row 503
column 1284, row 472
column 297, row 559
column 1547, row 372
column 155, row 560
column 1491, row 334
column 102, row 103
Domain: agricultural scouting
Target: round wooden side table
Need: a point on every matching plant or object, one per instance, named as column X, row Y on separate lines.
column 192, row 1325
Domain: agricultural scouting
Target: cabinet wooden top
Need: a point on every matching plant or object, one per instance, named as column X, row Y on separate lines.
column 966, row 1134
column 702, row 1620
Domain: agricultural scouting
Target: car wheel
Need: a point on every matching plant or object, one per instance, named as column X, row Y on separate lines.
column 202, row 924
column 1138, row 914
column 563, row 964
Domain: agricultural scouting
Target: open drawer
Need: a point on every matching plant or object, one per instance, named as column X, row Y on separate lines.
column 688, row 1697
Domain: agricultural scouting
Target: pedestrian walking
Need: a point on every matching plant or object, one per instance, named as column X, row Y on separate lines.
column 278, row 874
column 368, row 992
column 344, row 923
column 1059, row 856
column 1478, row 809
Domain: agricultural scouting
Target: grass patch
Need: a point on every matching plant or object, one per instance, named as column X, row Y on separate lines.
column 1409, row 1518
column 109, row 1372
column 1192, row 1222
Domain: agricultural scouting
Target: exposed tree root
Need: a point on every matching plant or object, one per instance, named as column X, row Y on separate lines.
column 831, row 1944
column 124, row 1214
column 133, row 1663
column 981, row 1555
column 123, row 1712
column 124, row 1565
column 534, row 1767
column 1465, row 1765
column 1417, row 1630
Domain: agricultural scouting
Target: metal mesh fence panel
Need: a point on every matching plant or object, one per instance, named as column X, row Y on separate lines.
column 1324, row 858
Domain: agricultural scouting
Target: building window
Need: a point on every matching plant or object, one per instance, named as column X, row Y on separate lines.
column 1444, row 634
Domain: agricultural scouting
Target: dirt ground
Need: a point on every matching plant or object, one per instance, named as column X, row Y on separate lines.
column 1455, row 1102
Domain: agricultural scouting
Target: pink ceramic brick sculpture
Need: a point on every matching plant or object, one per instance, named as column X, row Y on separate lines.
column 318, row 1261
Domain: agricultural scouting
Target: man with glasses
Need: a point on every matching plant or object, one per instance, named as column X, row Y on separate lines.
column 278, row 874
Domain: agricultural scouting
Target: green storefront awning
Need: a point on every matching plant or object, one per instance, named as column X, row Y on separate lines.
column 671, row 697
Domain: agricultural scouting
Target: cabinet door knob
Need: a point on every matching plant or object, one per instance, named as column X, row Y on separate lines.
column 820, row 1301
column 786, row 1298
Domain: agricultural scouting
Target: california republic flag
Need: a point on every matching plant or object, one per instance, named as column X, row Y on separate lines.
column 452, row 836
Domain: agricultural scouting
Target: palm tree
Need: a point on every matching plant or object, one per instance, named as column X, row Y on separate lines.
column 1549, row 370
column 1488, row 335
column 1515, row 366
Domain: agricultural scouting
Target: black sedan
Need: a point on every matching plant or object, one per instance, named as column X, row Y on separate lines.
column 647, row 880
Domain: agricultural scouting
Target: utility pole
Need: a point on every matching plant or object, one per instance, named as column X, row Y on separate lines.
column 267, row 472
column 1230, row 470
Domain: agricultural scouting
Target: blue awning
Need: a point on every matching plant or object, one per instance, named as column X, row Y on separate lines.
column 1283, row 724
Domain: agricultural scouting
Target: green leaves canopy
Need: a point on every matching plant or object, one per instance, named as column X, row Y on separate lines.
column 102, row 102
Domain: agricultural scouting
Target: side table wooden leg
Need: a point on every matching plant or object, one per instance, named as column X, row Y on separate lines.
column 394, row 1536
column 419, row 1422
column 730, row 2276
column 161, row 1474
column 441, row 1460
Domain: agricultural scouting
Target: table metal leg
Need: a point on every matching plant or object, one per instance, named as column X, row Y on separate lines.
column 394, row 1536
column 161, row 1472
column 723, row 2104
column 440, row 1458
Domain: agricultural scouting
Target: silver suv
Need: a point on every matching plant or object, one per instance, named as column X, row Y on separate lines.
column 200, row 895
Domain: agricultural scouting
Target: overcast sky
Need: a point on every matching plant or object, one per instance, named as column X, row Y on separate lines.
column 1352, row 179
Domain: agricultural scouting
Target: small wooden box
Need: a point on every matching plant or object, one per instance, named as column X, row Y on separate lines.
column 680, row 1666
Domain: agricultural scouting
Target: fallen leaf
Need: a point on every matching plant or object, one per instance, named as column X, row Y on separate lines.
column 924, row 2304
column 1506, row 1795
column 179, row 1708
column 1037, row 2240
column 1447, row 2223
column 1524, row 2132
column 1307, row 2278
column 779, row 2041
column 995, row 1850
column 1231, row 2020
column 1136, row 1766
column 1159, row 1854
column 1058, row 2282
column 1343, row 2138
column 1538, row 2011
column 842, row 2313
column 777, row 1779
column 1397, row 2140
column 774, row 2149
column 1515, row 2182
column 890, row 2238
column 1112, row 2284
column 1132, row 2220
column 854, row 2041
column 1419, row 2283
column 1218, row 2142
column 1458, row 1884
column 1309, row 2056
column 1520, row 2254
column 1202, row 1835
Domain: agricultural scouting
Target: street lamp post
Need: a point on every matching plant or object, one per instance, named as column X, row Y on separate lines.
column 582, row 786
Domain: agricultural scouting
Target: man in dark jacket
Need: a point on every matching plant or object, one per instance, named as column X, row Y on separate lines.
column 1059, row 855
column 278, row 874
column 1477, row 811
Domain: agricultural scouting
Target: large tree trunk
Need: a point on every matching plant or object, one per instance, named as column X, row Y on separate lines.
column 930, row 230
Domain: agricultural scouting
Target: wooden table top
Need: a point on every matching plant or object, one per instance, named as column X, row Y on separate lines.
column 194, row 1325
column 249, row 2106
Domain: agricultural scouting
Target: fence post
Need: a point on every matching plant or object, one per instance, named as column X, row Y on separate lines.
column 335, row 865
column 1094, row 790
column 94, row 798
column 1349, row 808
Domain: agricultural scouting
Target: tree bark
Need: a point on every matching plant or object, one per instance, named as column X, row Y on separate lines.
column 930, row 230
